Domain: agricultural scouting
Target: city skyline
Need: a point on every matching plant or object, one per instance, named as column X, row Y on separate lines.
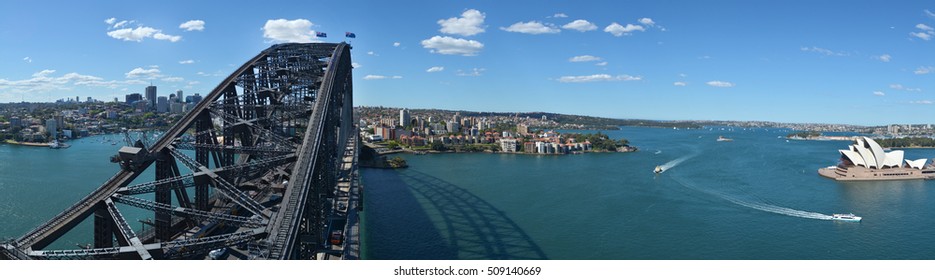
column 795, row 61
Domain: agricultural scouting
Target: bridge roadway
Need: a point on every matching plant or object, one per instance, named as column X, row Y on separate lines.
column 284, row 227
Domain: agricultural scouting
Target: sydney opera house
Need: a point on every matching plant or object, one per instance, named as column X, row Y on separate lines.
column 866, row 160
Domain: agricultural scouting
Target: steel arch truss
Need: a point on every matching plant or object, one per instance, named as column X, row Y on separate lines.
column 271, row 131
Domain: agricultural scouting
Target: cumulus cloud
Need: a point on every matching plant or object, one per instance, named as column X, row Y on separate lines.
column 679, row 84
column 173, row 79
column 381, row 77
column 884, row 58
column 921, row 35
column 186, row 61
column 584, row 58
column 562, row 15
column 193, row 25
column 435, row 69
column 924, row 27
column 602, row 63
column 597, row 78
column 923, row 70
column 470, row 23
column 139, row 72
column 619, row 30
column 474, row 72
column 27, row 59
column 290, row 31
column 580, row 25
column 532, row 27
column 355, row 65
column 452, row 46
column 138, row 33
column 720, row 84
column 647, row 21
column 879, row 93
column 396, row 44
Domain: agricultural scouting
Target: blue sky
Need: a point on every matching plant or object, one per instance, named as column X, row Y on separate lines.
column 855, row 62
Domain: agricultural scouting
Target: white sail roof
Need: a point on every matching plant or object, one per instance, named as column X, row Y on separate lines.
column 854, row 157
column 917, row 164
column 867, row 155
column 893, row 159
column 878, row 153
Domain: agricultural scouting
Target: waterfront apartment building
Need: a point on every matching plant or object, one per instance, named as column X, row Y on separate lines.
column 508, row 145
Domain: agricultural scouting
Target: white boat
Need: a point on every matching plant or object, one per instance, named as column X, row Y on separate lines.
column 723, row 139
column 658, row 169
column 846, row 217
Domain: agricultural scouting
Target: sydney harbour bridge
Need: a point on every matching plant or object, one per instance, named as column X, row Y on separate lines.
column 266, row 164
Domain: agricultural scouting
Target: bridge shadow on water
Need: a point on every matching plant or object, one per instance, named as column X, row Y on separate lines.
column 435, row 219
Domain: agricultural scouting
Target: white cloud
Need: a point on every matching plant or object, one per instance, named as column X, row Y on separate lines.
column 679, row 84
column 396, row 44
column 923, row 70
column 372, row 53
column 173, row 79
column 133, row 34
column 929, row 13
column 186, row 61
column 474, row 72
column 453, row 46
column 896, row 86
column 580, row 25
column 884, row 57
column 356, row 65
column 620, row 30
column 191, row 83
column 879, row 93
column 291, row 31
column 139, row 72
column 921, row 35
column 381, row 77
column 647, row 21
column 597, row 78
column 602, row 63
column 27, row 59
column 924, row 27
column 171, row 38
column 532, row 27
column 584, row 58
column 823, row 51
column 435, row 69
column 924, row 102
column 470, row 23
column 110, row 21
column 43, row 81
column 720, row 84
column 193, row 25
column 560, row 15
column 121, row 23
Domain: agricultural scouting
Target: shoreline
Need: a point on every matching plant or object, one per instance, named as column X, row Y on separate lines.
column 27, row 144
column 516, row 153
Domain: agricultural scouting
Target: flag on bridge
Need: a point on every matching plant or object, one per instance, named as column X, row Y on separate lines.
column 350, row 35
column 321, row 34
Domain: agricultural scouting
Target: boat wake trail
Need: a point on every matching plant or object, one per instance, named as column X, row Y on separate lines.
column 675, row 162
column 756, row 205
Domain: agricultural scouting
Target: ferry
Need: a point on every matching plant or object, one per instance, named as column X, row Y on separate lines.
column 846, row 217
column 658, row 169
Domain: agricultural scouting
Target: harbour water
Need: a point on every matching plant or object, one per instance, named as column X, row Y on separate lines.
column 757, row 197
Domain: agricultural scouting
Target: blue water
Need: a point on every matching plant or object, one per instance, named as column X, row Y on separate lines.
column 758, row 197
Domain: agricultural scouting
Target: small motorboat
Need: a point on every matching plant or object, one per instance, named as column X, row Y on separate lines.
column 658, row 169
column 846, row 217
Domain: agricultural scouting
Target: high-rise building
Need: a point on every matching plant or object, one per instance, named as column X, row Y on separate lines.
column 133, row 97
column 403, row 117
column 151, row 96
column 196, row 98
column 51, row 127
column 179, row 97
column 162, row 105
